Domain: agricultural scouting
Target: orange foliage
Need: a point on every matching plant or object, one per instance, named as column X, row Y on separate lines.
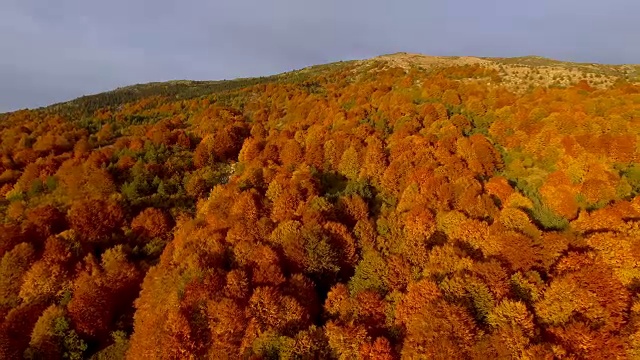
column 357, row 211
column 151, row 222
column 95, row 219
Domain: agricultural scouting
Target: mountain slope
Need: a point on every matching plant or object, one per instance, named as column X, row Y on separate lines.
column 518, row 73
column 399, row 207
column 188, row 89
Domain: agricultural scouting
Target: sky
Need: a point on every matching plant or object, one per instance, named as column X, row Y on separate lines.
column 52, row 51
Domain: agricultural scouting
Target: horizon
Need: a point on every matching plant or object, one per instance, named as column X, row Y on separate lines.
column 58, row 52
column 302, row 68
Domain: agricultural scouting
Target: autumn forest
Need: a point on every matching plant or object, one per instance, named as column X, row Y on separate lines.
column 357, row 210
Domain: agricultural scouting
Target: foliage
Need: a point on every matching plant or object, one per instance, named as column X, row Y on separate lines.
column 361, row 210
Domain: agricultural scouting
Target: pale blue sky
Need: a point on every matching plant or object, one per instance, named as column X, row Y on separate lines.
column 52, row 51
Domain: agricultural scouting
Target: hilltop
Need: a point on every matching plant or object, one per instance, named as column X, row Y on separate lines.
column 518, row 74
column 405, row 206
column 522, row 73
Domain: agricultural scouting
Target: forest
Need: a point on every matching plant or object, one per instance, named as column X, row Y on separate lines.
column 350, row 211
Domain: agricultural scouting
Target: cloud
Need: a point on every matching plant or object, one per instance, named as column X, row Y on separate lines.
column 55, row 51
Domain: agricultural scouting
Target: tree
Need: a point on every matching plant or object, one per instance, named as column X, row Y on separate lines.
column 95, row 219
column 151, row 223
column 273, row 311
column 512, row 325
column 45, row 340
column 345, row 340
column 227, row 322
column 350, row 163
column 101, row 295
column 47, row 219
column 451, row 97
column 439, row 331
column 380, row 349
column 53, row 336
column 13, row 267
column 375, row 159
column 418, row 295
column 291, row 154
column 42, row 282
column 16, row 329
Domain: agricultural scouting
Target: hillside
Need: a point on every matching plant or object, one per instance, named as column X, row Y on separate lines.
column 519, row 74
column 405, row 206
